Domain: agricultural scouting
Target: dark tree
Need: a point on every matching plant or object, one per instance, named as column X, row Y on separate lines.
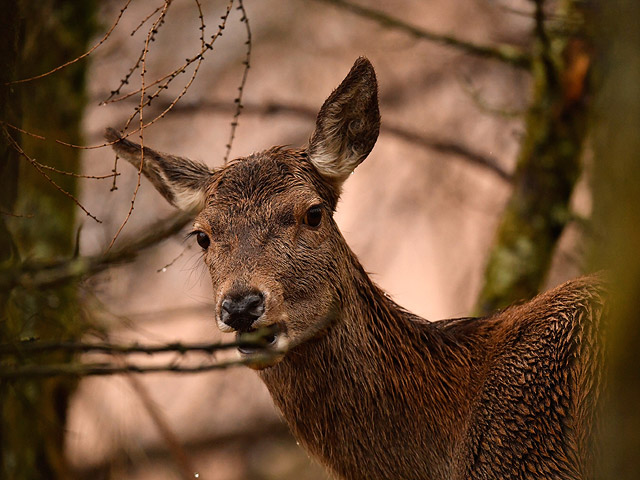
column 36, row 37
column 616, row 123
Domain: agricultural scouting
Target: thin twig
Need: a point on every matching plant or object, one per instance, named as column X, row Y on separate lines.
column 178, row 257
column 483, row 105
column 263, row 356
column 153, row 32
column 39, row 168
column 32, row 347
column 150, row 35
column 145, row 20
column 238, row 100
column 44, row 275
column 508, row 54
column 169, row 77
column 182, row 460
column 437, row 144
column 257, row 340
column 53, row 169
column 114, row 170
column 101, row 369
column 16, row 215
column 61, row 142
column 199, row 58
column 77, row 59
column 72, row 174
column 39, row 137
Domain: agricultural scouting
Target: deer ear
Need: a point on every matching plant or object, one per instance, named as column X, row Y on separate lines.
column 347, row 125
column 181, row 181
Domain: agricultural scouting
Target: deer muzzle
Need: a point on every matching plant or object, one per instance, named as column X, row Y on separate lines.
column 241, row 311
column 245, row 312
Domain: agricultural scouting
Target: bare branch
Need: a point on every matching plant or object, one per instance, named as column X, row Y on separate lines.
column 77, row 59
column 150, row 35
column 437, row 144
column 32, row 347
column 177, row 451
column 101, row 369
column 153, row 31
column 145, row 20
column 175, row 259
column 264, row 354
column 40, row 275
column 15, row 215
column 508, row 54
column 163, row 84
column 166, row 79
column 238, row 101
column 267, row 430
column 40, row 168
column 483, row 105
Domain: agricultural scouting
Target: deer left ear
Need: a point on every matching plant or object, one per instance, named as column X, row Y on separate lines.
column 182, row 182
column 347, row 125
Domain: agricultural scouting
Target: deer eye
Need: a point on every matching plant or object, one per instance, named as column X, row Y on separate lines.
column 313, row 216
column 203, row 240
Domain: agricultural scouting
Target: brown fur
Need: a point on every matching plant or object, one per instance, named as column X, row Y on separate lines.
column 370, row 390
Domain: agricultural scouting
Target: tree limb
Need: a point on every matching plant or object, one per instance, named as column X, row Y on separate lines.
column 273, row 108
column 508, row 54
column 100, row 369
column 267, row 430
column 46, row 275
column 31, row 347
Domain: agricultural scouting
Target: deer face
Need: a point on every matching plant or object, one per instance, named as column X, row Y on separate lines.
column 265, row 223
column 268, row 241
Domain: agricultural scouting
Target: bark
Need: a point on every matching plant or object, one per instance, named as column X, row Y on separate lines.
column 548, row 166
column 34, row 412
column 9, row 111
column 616, row 123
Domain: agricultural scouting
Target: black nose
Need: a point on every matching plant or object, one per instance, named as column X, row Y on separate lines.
column 240, row 311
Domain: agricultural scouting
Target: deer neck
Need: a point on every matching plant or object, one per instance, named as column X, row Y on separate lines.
column 380, row 379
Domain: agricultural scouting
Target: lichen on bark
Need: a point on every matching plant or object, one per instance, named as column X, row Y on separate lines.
column 548, row 166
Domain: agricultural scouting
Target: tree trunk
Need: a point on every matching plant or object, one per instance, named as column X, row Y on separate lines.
column 548, row 166
column 9, row 111
column 616, row 123
column 34, row 412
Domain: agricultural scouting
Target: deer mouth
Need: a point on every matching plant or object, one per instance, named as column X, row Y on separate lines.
column 257, row 340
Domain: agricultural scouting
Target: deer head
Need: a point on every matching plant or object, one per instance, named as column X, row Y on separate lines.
column 265, row 222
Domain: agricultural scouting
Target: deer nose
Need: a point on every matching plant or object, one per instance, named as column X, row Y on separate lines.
column 240, row 311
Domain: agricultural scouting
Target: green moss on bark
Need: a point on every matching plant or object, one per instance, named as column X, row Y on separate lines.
column 548, row 167
column 34, row 412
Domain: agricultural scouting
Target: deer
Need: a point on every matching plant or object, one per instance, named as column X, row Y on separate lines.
column 369, row 389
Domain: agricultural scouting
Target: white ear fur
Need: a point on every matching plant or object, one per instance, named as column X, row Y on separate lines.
column 182, row 182
column 347, row 125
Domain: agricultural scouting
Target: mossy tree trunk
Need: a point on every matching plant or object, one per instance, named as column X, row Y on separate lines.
column 548, row 167
column 34, row 411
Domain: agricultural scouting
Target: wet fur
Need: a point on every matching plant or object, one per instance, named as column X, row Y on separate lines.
column 376, row 392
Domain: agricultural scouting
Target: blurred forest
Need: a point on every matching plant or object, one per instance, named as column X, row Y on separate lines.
column 508, row 162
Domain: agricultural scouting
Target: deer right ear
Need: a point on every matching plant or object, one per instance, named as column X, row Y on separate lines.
column 347, row 125
column 180, row 181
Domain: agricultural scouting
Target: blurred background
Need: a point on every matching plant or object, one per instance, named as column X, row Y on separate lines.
column 506, row 164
